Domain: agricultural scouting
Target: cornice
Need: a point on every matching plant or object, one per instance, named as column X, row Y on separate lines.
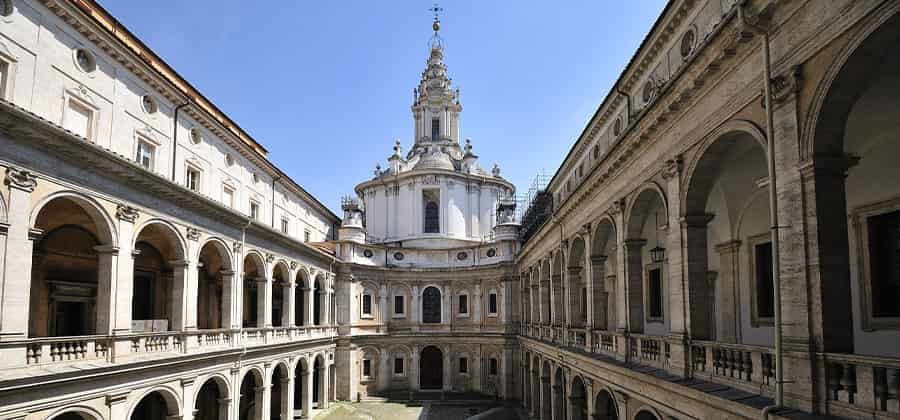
column 404, row 176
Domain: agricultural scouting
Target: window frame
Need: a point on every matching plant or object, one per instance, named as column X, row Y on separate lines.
column 229, row 189
column 459, row 305
column 366, row 363
column 188, row 169
column 662, row 293
column 70, row 98
column 8, row 79
column 493, row 366
column 362, row 306
column 394, row 313
column 285, row 225
column 154, row 147
column 755, row 320
column 402, row 366
column 258, row 214
column 462, row 365
column 859, row 228
column 496, row 311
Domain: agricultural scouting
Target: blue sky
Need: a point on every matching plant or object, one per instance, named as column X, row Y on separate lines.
column 326, row 86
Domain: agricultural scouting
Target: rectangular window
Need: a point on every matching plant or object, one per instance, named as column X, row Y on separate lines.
column 398, row 305
column 398, row 366
column 463, row 365
column 192, row 179
column 884, row 263
column 367, row 368
column 765, row 307
column 254, row 210
column 284, row 225
column 367, row 304
column 79, row 119
column 435, row 129
column 654, row 293
column 228, row 196
column 4, row 79
column 463, row 304
column 493, row 367
column 492, row 303
column 145, row 153
column 306, row 236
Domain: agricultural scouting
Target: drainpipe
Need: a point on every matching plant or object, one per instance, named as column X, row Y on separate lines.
column 773, row 207
column 175, row 136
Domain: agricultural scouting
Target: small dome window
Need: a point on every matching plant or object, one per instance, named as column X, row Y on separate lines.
column 85, row 60
column 688, row 42
column 6, row 8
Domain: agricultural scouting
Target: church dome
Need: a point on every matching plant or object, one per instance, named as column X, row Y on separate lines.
column 435, row 159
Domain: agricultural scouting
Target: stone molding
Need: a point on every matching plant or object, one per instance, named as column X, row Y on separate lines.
column 20, row 179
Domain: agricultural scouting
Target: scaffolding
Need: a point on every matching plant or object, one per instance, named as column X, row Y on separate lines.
column 534, row 206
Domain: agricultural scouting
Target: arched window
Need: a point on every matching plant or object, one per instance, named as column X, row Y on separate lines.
column 431, row 305
column 432, row 218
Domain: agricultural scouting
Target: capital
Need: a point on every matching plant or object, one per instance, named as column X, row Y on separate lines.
column 20, row 179
column 193, row 234
column 617, row 207
column 672, row 168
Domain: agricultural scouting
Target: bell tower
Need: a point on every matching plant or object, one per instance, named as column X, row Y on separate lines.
column 436, row 106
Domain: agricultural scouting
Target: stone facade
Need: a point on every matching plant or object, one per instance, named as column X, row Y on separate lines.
column 155, row 264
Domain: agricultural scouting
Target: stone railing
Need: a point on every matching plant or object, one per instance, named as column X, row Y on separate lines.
column 860, row 385
column 52, row 350
column 59, row 350
column 751, row 368
column 578, row 338
column 604, row 342
column 648, row 349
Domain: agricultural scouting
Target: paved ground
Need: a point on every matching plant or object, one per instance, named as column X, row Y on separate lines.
column 371, row 410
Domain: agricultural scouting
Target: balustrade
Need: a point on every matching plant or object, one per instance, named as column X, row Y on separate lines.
column 863, row 383
column 51, row 350
column 743, row 366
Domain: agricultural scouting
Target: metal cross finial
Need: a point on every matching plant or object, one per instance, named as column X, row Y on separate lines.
column 436, row 9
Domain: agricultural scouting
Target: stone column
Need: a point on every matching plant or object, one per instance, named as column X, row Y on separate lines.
column 235, row 404
column 228, row 296
column 574, row 302
column 545, row 405
column 557, row 314
column 727, row 303
column 414, row 369
column 107, row 259
column 445, row 305
column 448, row 373
column 695, row 252
column 225, row 407
column 310, row 306
column 414, row 308
column 266, row 307
column 477, row 383
column 634, row 284
column 308, row 396
column 323, row 384
column 287, row 314
column 15, row 293
column 192, row 280
column 384, row 370
column 262, row 302
column 180, row 294
column 187, row 398
column 263, row 400
column 287, row 403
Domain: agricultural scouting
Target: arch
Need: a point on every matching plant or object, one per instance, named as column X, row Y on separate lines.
column 250, row 393
column 106, row 231
column 319, row 372
column 605, row 406
column 559, row 394
column 578, row 296
column 845, row 81
column 647, row 195
column 279, row 391
column 547, row 398
column 221, row 247
column 557, row 289
column 222, row 383
column 210, row 399
column 214, row 277
column 78, row 412
column 157, row 403
column 431, row 368
column 579, row 399
column 253, row 273
column 432, row 310
column 166, row 230
column 647, row 413
column 281, row 279
column 319, row 295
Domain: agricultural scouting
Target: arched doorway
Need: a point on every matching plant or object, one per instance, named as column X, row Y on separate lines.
column 853, row 275
column 318, row 386
column 536, row 387
column 579, row 400
column 318, row 297
column 559, row 394
column 431, row 305
column 301, row 288
column 280, row 282
column 544, row 287
column 65, row 269
column 211, row 403
column 159, row 272
column 431, row 368
column 645, row 255
column 546, row 398
column 278, row 393
column 254, row 284
column 557, row 292
column 727, row 211
column 213, row 281
column 251, row 397
column 605, row 407
column 578, row 298
column 603, row 272
column 155, row 406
